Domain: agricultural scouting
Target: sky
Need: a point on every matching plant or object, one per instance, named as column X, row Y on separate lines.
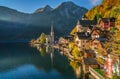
column 29, row 6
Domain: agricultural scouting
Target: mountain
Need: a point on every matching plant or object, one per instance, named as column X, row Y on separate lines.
column 108, row 8
column 7, row 14
column 47, row 8
column 16, row 25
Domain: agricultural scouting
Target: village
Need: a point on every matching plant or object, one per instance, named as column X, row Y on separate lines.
column 91, row 43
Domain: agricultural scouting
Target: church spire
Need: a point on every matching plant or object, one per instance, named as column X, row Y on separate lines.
column 52, row 34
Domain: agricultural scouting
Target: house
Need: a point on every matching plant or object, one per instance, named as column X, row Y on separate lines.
column 69, row 38
column 63, row 41
column 83, row 24
column 89, row 54
column 89, row 29
column 81, row 39
column 95, row 34
column 92, row 62
column 95, row 44
column 48, row 38
column 106, row 23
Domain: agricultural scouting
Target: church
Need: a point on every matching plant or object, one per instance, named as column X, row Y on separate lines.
column 50, row 38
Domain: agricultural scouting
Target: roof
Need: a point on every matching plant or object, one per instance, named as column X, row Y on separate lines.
column 97, row 31
column 101, row 39
column 82, row 35
column 94, row 40
column 87, row 23
column 105, row 19
column 90, row 61
column 98, row 39
column 112, row 19
column 89, row 51
column 68, row 37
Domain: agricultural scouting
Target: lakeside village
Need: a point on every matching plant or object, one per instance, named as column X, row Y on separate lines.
column 91, row 43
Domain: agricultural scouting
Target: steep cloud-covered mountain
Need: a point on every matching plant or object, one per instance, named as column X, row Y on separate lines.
column 15, row 25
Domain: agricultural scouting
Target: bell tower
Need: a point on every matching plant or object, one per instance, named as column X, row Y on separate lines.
column 52, row 34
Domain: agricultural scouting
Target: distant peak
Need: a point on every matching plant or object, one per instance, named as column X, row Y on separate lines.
column 47, row 8
column 68, row 3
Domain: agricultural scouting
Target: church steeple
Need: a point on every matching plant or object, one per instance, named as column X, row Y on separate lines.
column 52, row 34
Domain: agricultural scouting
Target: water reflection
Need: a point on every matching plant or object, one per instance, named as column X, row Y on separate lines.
column 29, row 72
column 77, row 68
column 47, row 50
column 20, row 61
column 76, row 65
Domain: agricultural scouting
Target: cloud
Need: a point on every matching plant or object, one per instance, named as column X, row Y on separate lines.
column 95, row 2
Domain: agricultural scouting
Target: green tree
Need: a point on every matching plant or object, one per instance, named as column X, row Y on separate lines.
column 42, row 38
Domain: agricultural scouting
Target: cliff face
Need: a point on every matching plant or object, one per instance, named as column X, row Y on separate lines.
column 108, row 8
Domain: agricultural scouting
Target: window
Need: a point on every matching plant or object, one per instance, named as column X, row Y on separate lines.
column 83, row 46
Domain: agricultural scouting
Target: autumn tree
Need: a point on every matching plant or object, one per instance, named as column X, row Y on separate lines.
column 42, row 38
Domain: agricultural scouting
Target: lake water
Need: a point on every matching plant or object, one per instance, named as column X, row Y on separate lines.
column 20, row 61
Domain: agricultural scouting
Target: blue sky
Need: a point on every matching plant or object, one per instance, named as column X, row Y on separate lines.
column 29, row 6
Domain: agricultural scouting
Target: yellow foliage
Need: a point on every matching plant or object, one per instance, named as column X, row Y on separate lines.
column 108, row 8
column 73, row 31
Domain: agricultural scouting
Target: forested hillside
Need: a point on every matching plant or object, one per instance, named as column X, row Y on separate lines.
column 108, row 8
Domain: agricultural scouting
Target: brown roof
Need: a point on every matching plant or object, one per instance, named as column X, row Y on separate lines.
column 105, row 19
column 89, row 51
column 112, row 19
column 87, row 23
column 97, row 31
column 94, row 40
column 82, row 35
column 90, row 61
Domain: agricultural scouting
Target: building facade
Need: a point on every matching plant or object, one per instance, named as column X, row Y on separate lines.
column 50, row 38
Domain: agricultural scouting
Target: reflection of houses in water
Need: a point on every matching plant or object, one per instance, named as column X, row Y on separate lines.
column 50, row 50
column 52, row 55
column 77, row 67
column 47, row 49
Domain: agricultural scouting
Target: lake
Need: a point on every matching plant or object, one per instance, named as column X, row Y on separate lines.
column 21, row 61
